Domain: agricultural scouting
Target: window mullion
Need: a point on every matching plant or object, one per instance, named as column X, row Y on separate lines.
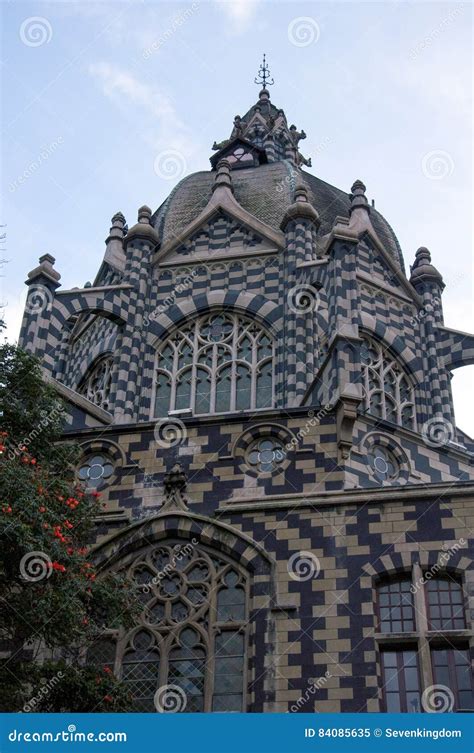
column 233, row 378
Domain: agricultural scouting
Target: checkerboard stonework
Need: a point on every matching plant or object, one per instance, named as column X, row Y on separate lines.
column 270, row 394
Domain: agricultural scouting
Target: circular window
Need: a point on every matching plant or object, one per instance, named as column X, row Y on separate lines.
column 266, row 455
column 382, row 463
column 95, row 471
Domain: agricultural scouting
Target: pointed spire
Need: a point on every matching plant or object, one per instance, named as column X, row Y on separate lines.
column 423, row 270
column 114, row 242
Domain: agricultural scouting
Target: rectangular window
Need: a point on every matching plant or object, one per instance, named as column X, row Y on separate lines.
column 395, row 603
column 445, row 604
column 401, row 680
column 452, row 668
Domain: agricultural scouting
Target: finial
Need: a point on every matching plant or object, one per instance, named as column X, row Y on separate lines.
column 263, row 77
column 144, row 215
column 423, row 270
column 223, row 176
column 358, row 197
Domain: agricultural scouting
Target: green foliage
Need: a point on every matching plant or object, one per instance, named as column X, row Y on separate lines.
column 50, row 592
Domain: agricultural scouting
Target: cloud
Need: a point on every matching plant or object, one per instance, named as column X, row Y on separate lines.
column 122, row 88
column 240, row 13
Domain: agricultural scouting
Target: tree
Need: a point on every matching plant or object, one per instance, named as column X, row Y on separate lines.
column 51, row 596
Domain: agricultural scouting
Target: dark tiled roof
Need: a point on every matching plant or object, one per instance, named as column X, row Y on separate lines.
column 266, row 192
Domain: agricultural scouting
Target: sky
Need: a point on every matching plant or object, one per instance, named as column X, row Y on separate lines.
column 106, row 105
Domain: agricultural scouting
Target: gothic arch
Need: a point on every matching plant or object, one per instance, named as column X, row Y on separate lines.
column 186, row 525
column 196, row 553
column 252, row 304
column 390, row 338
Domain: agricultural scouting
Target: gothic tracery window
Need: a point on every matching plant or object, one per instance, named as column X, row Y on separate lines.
column 388, row 392
column 216, row 363
column 188, row 649
column 97, row 382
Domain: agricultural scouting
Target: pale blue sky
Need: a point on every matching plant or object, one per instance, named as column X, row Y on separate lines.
column 94, row 92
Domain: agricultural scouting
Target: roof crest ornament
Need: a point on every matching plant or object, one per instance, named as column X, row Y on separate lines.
column 263, row 77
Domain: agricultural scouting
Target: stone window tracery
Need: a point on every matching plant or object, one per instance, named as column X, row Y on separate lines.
column 188, row 651
column 217, row 363
column 388, row 391
column 97, row 382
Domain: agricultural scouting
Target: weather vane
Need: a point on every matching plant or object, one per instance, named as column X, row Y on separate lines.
column 263, row 77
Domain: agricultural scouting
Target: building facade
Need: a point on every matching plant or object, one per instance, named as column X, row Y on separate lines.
column 262, row 395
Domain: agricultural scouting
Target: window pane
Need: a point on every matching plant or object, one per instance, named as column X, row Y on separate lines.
column 401, row 685
column 395, row 604
column 213, row 341
column 445, row 605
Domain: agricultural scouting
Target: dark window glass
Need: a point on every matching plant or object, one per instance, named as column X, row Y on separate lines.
column 401, row 682
column 228, row 672
column 395, row 604
column 452, row 668
column 445, row 604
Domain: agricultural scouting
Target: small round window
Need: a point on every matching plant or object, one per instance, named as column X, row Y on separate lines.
column 383, row 465
column 95, row 471
column 266, row 455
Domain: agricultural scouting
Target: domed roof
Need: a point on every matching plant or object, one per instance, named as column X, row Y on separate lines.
column 266, row 192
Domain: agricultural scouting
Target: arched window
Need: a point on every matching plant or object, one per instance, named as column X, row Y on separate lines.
column 405, row 605
column 97, row 382
column 188, row 652
column 216, row 363
column 388, row 392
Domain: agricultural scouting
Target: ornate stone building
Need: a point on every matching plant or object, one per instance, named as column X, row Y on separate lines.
column 262, row 395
